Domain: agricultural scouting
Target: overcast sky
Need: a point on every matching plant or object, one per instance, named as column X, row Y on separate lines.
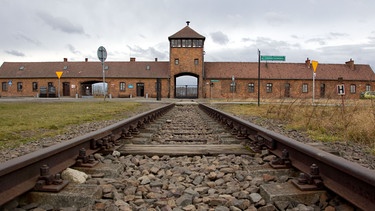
column 329, row 31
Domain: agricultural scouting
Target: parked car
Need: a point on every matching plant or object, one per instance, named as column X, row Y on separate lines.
column 368, row 95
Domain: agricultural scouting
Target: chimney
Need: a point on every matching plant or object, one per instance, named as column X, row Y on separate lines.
column 65, row 59
column 350, row 64
column 156, row 59
column 86, row 59
column 132, row 59
column 308, row 62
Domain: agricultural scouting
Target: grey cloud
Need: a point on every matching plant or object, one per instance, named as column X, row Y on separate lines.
column 15, row 53
column 22, row 36
column 150, row 52
column 61, row 24
column 219, row 38
column 72, row 49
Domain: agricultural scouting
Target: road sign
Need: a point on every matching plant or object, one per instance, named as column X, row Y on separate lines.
column 314, row 65
column 102, row 54
column 341, row 89
column 272, row 58
column 59, row 74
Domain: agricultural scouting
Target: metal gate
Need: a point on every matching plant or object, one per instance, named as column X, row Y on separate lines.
column 186, row 91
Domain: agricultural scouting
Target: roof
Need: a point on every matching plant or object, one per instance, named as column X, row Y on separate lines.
column 130, row 69
column 271, row 70
column 186, row 32
column 213, row 70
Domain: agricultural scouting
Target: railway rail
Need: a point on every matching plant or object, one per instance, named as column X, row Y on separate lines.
column 318, row 168
column 19, row 175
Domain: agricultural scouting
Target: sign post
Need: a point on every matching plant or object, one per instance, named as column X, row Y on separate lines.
column 341, row 91
column 233, row 85
column 314, row 65
column 59, row 74
column 266, row 58
column 102, row 55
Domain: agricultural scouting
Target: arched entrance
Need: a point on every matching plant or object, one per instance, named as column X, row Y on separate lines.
column 186, row 85
column 88, row 88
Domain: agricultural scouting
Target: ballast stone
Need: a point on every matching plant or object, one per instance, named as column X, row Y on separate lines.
column 74, row 176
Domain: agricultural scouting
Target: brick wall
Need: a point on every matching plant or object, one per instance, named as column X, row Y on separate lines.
column 186, row 58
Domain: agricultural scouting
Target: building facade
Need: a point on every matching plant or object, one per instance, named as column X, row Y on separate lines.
column 158, row 79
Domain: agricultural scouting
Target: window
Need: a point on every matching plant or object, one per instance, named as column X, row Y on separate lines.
column 352, row 88
column 368, row 87
column 305, row 88
column 197, row 43
column 148, row 67
column 122, row 86
column 176, row 61
column 4, row 86
column 173, row 43
column 19, row 86
column 233, row 87
column 35, row 86
column 186, row 43
column 251, row 87
column 269, row 87
column 196, row 61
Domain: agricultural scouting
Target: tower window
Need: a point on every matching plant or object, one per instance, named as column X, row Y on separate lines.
column 196, row 61
column 176, row 61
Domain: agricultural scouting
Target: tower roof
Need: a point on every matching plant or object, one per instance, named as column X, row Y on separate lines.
column 186, row 32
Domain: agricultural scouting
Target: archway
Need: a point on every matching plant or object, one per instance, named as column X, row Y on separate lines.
column 186, row 85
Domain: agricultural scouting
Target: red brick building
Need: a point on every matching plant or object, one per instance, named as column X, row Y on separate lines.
column 157, row 79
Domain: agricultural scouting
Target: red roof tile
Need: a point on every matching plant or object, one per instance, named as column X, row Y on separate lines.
column 186, row 32
column 213, row 70
column 84, row 69
column 272, row 70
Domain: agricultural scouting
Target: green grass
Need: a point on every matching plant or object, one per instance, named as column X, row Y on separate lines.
column 28, row 121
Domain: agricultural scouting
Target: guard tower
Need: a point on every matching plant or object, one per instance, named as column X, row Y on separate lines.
column 186, row 58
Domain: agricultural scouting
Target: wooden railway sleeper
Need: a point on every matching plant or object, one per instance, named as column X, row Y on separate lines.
column 48, row 182
column 84, row 160
column 309, row 181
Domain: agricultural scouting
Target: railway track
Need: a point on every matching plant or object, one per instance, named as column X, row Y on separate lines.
column 185, row 130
